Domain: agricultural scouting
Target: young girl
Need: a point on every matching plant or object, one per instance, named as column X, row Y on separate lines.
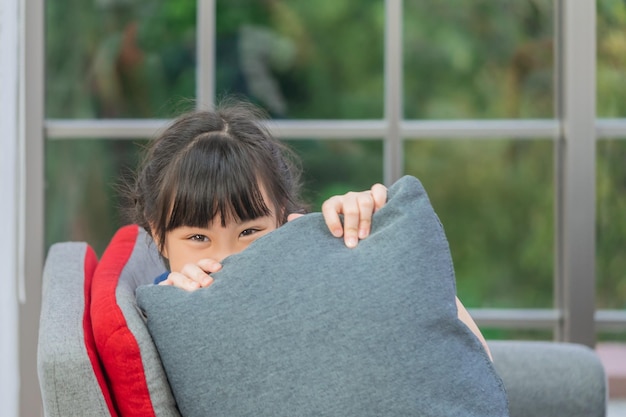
column 215, row 181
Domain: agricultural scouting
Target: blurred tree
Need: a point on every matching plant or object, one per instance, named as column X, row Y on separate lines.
column 479, row 59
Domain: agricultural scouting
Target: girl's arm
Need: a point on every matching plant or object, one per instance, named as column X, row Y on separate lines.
column 465, row 317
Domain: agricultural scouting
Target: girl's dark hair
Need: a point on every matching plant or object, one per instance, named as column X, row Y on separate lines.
column 209, row 163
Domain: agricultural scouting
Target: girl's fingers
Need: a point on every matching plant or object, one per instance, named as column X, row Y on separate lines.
column 369, row 203
column 366, row 209
column 194, row 273
column 193, row 276
column 179, row 280
column 331, row 210
column 357, row 210
column 294, row 216
column 351, row 219
column 379, row 194
column 209, row 265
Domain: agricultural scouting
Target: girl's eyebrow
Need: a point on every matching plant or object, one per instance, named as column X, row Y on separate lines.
column 193, row 228
column 240, row 222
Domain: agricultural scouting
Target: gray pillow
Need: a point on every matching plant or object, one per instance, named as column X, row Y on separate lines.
column 300, row 325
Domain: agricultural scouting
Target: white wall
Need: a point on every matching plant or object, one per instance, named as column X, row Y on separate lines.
column 9, row 59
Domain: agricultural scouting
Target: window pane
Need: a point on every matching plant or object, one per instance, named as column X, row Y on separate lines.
column 611, row 223
column 478, row 59
column 108, row 59
column 495, row 200
column 83, row 180
column 332, row 167
column 303, row 59
column 611, row 66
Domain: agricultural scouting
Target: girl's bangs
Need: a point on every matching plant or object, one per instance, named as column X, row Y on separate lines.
column 214, row 178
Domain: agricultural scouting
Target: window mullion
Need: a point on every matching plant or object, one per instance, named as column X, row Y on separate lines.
column 393, row 153
column 205, row 51
column 576, row 150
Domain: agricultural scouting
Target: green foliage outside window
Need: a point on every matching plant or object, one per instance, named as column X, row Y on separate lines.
column 324, row 59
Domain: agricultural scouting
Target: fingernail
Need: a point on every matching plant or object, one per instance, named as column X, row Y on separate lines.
column 337, row 232
column 363, row 233
column 351, row 242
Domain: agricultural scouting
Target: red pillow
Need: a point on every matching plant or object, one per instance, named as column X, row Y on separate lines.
column 131, row 363
column 89, row 264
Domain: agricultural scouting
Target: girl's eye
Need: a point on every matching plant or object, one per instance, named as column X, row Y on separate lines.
column 248, row 232
column 199, row 238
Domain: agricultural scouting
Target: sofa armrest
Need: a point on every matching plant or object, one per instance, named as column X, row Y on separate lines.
column 550, row 378
column 69, row 378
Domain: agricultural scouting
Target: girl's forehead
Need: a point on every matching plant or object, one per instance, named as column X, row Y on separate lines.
column 222, row 206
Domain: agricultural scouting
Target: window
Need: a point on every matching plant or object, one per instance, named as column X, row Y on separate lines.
column 503, row 109
column 478, row 100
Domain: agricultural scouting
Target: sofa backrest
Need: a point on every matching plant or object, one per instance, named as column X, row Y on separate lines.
column 128, row 355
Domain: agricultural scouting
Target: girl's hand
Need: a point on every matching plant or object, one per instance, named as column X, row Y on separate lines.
column 357, row 209
column 193, row 276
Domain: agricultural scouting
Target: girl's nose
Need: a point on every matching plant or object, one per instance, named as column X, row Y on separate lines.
column 222, row 252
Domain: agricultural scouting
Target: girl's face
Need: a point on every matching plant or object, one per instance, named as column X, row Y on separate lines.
column 187, row 245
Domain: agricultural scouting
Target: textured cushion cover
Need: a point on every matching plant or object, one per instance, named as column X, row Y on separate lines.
column 71, row 378
column 129, row 357
column 300, row 325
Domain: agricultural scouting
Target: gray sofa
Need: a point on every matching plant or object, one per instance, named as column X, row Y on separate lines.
column 541, row 378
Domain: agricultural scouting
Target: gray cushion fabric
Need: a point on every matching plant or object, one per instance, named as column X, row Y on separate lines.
column 298, row 324
column 143, row 265
column 551, row 379
column 66, row 376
